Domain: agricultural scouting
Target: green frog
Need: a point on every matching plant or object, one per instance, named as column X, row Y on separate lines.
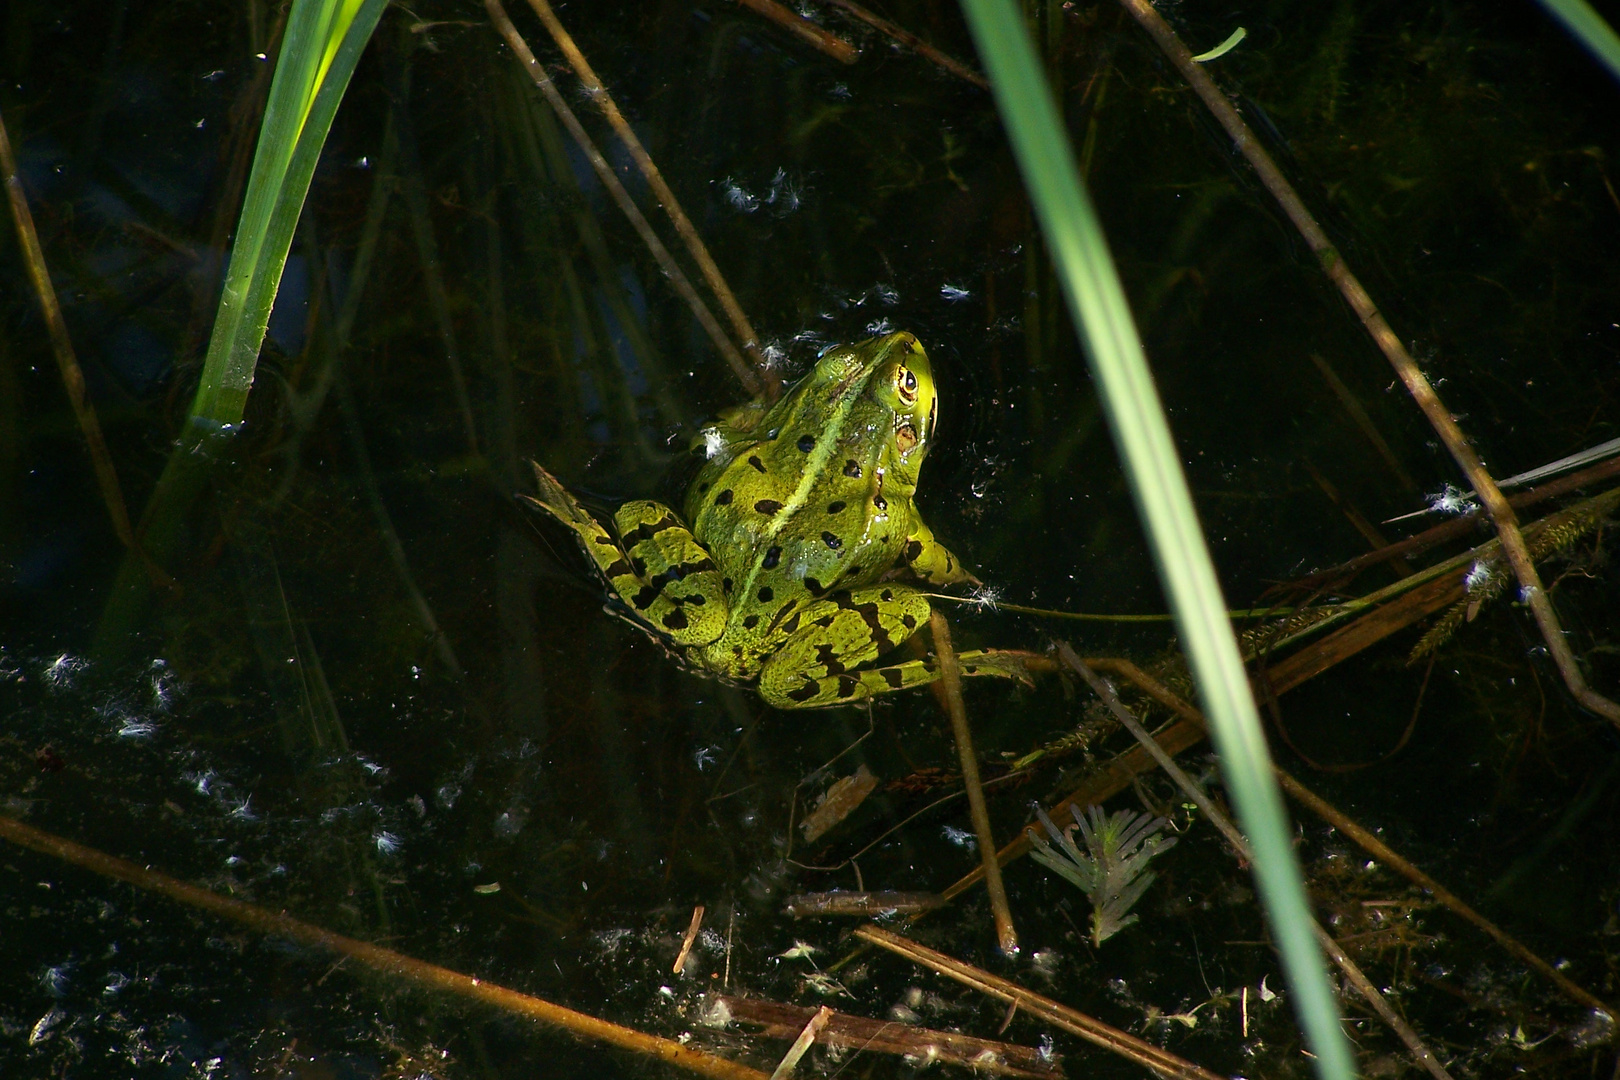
column 802, row 555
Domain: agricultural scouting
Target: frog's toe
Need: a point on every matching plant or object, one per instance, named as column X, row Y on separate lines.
column 557, row 500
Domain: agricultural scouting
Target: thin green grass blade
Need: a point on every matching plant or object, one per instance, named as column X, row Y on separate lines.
column 321, row 47
column 1141, row 433
column 323, row 43
column 1589, row 28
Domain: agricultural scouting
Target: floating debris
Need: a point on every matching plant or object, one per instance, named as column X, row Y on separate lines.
column 862, row 904
column 838, row 803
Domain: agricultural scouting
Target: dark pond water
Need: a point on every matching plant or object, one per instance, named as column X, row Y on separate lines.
column 383, row 697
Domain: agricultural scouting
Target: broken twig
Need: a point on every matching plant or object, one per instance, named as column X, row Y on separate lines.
column 924, row 1045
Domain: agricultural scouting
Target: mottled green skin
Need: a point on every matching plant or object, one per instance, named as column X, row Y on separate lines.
column 804, row 547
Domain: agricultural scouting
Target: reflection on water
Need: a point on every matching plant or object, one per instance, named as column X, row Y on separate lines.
column 385, row 699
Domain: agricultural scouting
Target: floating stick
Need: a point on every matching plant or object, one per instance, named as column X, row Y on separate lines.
column 805, row 30
column 1070, row 1020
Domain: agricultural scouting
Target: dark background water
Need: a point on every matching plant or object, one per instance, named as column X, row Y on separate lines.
column 289, row 727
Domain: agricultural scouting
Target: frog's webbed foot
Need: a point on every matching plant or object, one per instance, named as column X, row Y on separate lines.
column 560, row 503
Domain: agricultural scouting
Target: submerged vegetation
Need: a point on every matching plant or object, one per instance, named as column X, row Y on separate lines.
column 1112, row 871
column 363, row 693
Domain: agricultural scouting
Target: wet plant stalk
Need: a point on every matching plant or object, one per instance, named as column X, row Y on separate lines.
column 950, row 679
column 913, row 42
column 802, row 1044
column 414, row 189
column 406, row 968
column 66, row 359
column 805, row 30
column 1382, row 852
column 1351, row 971
column 1417, row 384
column 1101, row 316
column 1073, row 1021
column 1336, row 577
column 666, row 262
column 860, row 1033
column 324, row 41
column 385, row 527
column 1358, row 414
column 655, row 180
column 1587, row 26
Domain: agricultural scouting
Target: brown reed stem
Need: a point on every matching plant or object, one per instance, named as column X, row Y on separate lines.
column 843, row 1031
column 1381, row 852
column 1417, row 384
column 388, row 962
column 914, row 43
column 655, row 180
column 1240, row 846
column 950, row 678
column 666, row 262
column 1334, row 576
column 66, row 360
column 1363, row 838
column 1071, row 1020
column 805, row 30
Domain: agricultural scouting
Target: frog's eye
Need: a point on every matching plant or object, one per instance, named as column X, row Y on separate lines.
column 905, row 382
column 905, row 437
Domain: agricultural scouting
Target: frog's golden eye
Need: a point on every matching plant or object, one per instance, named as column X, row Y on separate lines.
column 905, row 383
column 905, row 437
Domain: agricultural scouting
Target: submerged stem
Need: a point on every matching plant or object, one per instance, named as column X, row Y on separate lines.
column 666, row 262
column 950, row 677
column 1417, row 384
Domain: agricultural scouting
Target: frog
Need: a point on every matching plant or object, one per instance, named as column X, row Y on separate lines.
column 799, row 555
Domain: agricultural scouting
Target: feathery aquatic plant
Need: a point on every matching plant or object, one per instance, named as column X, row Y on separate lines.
column 1112, row 872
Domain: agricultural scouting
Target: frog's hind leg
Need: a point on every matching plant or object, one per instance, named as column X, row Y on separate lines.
column 670, row 592
column 827, row 639
column 668, row 578
column 1005, row 663
column 822, row 642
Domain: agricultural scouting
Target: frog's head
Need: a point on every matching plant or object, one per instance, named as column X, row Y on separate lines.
column 898, row 406
column 902, row 384
column 877, row 396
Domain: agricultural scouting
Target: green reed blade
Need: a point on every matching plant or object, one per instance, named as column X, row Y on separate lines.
column 1103, row 319
column 319, row 51
column 1588, row 27
column 323, row 43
